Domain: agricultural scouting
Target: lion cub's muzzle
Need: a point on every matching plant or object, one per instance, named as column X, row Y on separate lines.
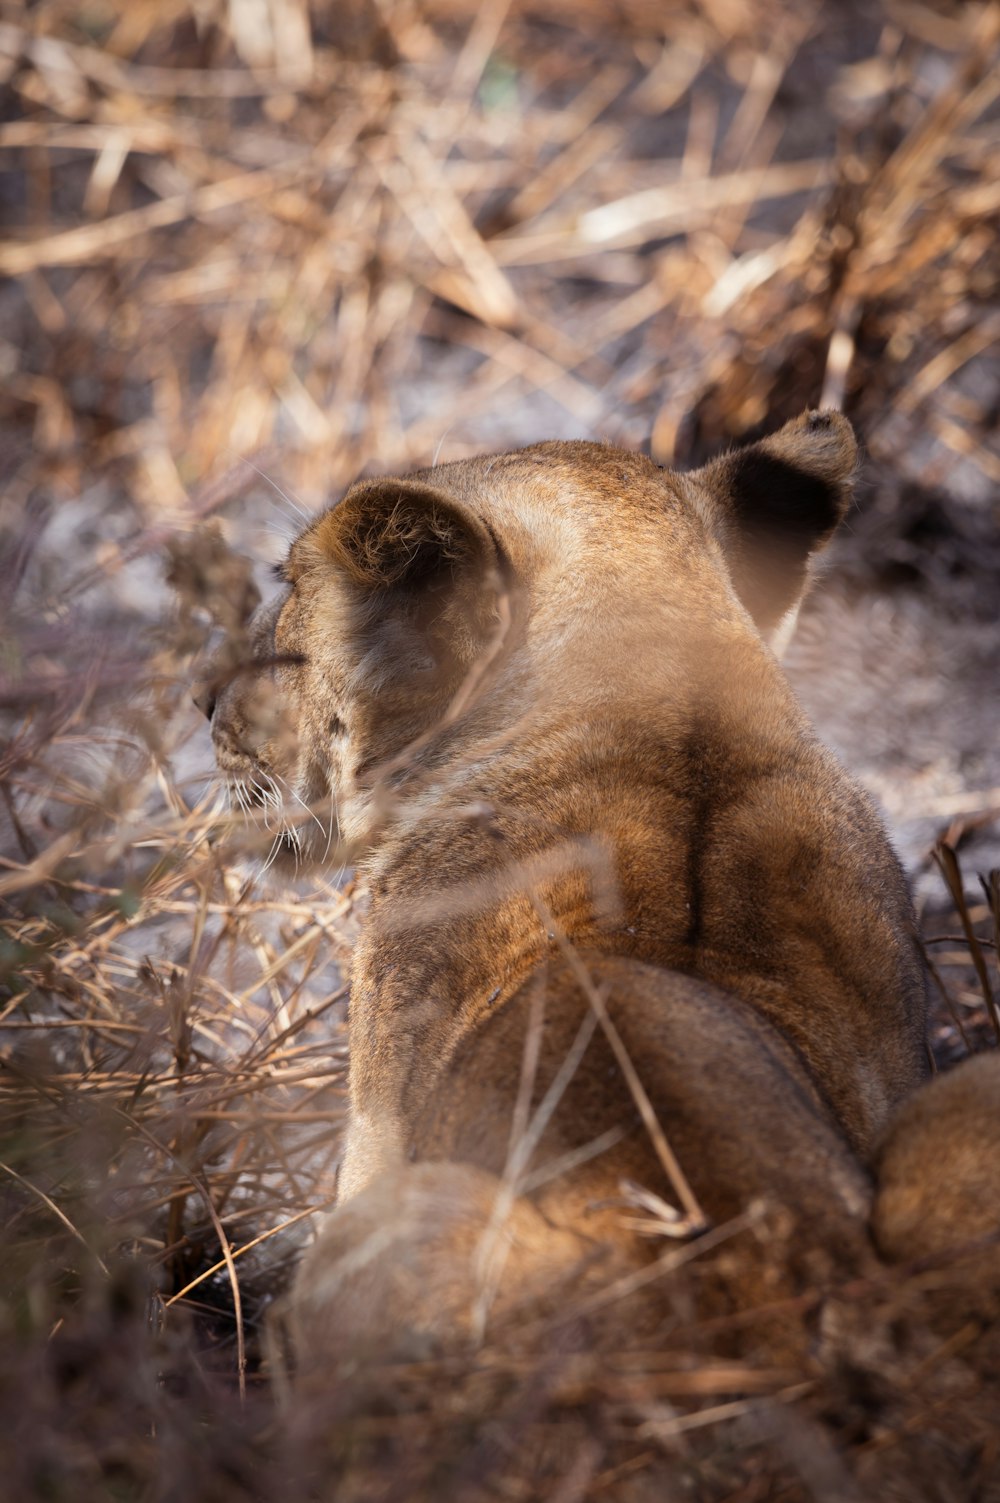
column 253, row 731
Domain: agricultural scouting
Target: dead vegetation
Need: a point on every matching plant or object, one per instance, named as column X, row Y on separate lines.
column 255, row 240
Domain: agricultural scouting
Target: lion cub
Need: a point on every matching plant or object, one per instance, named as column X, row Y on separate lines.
column 639, row 958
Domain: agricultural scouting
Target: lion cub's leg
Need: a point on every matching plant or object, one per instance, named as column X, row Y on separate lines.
column 938, row 1168
column 425, row 1258
column 373, row 1146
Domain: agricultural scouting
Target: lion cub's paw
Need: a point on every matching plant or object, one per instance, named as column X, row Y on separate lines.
column 938, row 1168
column 426, row 1256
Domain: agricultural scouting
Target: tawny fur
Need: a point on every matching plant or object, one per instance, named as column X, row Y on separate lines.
column 538, row 690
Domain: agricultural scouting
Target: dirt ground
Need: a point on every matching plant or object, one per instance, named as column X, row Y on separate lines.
column 252, row 250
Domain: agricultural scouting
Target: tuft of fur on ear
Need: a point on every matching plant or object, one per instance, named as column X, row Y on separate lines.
column 402, row 534
column 424, row 571
column 777, row 502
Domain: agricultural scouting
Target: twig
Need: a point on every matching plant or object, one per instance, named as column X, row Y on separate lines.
column 238, row 1253
column 227, row 1252
column 947, row 860
column 697, row 1221
column 61, row 1215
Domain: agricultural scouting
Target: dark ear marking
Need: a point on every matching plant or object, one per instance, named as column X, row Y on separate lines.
column 770, row 495
column 778, row 501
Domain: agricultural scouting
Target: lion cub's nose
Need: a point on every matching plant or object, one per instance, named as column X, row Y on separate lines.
column 205, row 697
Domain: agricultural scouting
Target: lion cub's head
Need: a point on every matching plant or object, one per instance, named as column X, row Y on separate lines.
column 428, row 621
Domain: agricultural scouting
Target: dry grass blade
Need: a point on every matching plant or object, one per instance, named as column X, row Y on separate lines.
column 59, row 1214
column 237, row 1252
column 91, row 242
column 227, row 1252
column 250, row 251
column 991, row 887
column 676, row 209
column 677, row 1424
column 947, row 860
column 695, row 1219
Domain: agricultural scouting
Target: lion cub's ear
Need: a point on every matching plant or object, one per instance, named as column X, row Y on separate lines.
column 775, row 503
column 388, row 534
column 419, row 551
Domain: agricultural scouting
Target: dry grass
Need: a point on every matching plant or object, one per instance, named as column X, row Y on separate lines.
column 273, row 239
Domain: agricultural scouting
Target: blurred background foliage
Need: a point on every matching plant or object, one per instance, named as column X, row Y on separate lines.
column 251, row 249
